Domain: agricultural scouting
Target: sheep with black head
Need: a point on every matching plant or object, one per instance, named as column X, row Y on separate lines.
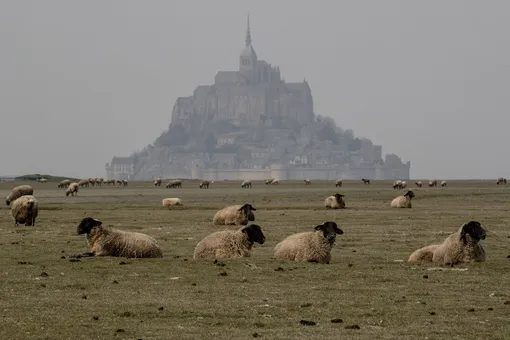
column 336, row 201
column 235, row 215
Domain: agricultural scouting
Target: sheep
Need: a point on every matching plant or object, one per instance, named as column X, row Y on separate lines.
column 501, row 180
column 119, row 182
column 234, row 215
column 365, row 181
column 167, row 202
column 338, row 183
column 72, row 189
column 24, row 209
column 157, row 182
column 403, row 201
column 433, row 183
column 308, row 181
column 176, row 183
column 64, row 184
column 204, row 184
column 275, row 181
column 42, row 180
column 124, row 182
column 19, row 191
column 397, row 184
column 311, row 246
column 229, row 244
column 419, row 184
column 107, row 241
column 92, row 181
column 460, row 247
column 246, row 184
column 99, row 181
column 335, row 202
column 268, row 181
column 84, row 183
column 403, row 184
column 444, row 184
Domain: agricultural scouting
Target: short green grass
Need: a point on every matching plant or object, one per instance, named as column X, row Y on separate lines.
column 368, row 284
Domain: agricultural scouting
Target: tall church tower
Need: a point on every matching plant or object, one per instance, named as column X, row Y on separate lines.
column 248, row 58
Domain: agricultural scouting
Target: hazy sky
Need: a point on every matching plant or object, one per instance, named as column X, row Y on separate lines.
column 82, row 81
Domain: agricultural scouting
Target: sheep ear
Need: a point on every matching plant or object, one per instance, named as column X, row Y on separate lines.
column 242, row 208
column 339, row 231
column 98, row 222
column 319, row 227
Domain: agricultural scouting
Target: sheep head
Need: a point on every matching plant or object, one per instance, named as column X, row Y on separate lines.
column 247, row 210
column 87, row 224
column 474, row 230
column 329, row 230
column 409, row 193
column 338, row 197
column 7, row 201
column 254, row 233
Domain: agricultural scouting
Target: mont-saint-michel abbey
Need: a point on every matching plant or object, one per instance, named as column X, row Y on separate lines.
column 252, row 124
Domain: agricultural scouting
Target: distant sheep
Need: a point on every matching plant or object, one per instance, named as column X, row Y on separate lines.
column 308, row 181
column 433, row 183
column 229, row 244
column 397, row 184
column 312, row 246
column 403, row 184
column 124, row 182
column 444, row 183
column 419, row 184
column 92, row 181
column 501, row 180
column 460, row 247
column 403, row 201
column 84, row 183
column 25, row 209
column 72, row 189
column 42, row 180
column 167, row 202
column 204, row 185
column 335, row 202
column 176, row 183
column 19, row 191
column 106, row 241
column 235, row 215
column 269, row 181
column 246, row 184
column 338, row 183
column 275, row 182
column 365, row 181
column 157, row 182
column 99, row 181
column 64, row 184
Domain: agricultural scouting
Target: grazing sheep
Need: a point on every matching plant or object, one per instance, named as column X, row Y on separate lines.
column 64, row 184
column 84, row 183
column 403, row 184
column 229, row 244
column 246, row 184
column 269, row 181
column 275, row 181
column 335, row 202
column 99, row 181
column 42, row 180
column 311, row 246
column 120, row 182
column 403, row 201
column 338, row 183
column 19, row 191
column 419, row 184
column 365, row 181
column 397, row 184
column 72, row 189
column 157, row 182
column 176, row 183
column 124, row 182
column 24, row 209
column 444, row 183
column 308, row 181
column 235, row 215
column 460, row 247
column 92, row 181
column 167, row 202
column 501, row 180
column 433, row 183
column 204, row 184
column 106, row 241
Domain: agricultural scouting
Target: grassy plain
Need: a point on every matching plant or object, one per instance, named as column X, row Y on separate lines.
column 43, row 295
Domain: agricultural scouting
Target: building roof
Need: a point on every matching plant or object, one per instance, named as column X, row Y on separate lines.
column 122, row 160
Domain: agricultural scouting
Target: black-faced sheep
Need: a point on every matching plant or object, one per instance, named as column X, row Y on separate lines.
column 501, row 180
column 338, row 183
column 312, row 246
column 269, row 181
column 460, row 247
column 335, row 202
column 418, row 184
column 246, row 184
column 176, row 183
column 403, row 201
column 444, row 183
column 433, row 183
column 72, row 189
column 365, row 181
column 204, row 184
column 235, row 215
column 25, row 209
column 157, row 182
column 229, row 244
column 308, row 181
column 106, row 241
column 19, row 191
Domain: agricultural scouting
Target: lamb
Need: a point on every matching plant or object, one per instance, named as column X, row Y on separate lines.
column 72, row 189
column 64, row 184
column 403, row 201
column 365, row 181
column 246, row 184
column 433, row 183
column 419, row 184
column 106, row 241
column 157, row 182
column 311, row 246
column 308, row 181
column 338, row 183
column 167, row 202
column 235, row 215
column 25, row 210
column 335, row 202
column 19, row 191
column 229, row 244
column 204, row 185
column 501, row 180
column 460, row 247
column 444, row 183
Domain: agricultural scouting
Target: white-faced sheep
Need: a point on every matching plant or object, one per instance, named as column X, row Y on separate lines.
column 168, row 202
column 335, row 202
column 460, row 247
column 106, row 241
column 312, row 246
column 419, row 184
column 176, row 183
column 25, row 209
column 64, row 184
column 433, row 183
column 229, row 244
column 246, row 184
column 18, row 192
column 72, row 189
column 308, row 181
column 235, row 215
column 444, row 183
column 365, row 181
column 157, row 182
column 501, row 180
column 403, row 201
column 204, row 184
column 338, row 183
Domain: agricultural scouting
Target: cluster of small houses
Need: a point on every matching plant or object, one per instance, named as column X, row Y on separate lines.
column 312, row 246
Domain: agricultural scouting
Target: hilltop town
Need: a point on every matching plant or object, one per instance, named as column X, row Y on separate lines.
column 251, row 124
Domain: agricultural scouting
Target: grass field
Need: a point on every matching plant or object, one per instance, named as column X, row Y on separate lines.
column 44, row 295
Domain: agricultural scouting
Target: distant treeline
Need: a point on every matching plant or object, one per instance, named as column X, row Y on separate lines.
column 35, row 177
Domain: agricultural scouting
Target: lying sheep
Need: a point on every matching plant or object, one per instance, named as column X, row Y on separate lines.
column 167, row 202
column 106, row 241
column 419, row 184
column 176, row 183
column 157, row 182
column 19, row 191
column 338, row 183
column 501, row 180
column 335, row 202
column 444, row 183
column 229, row 244
column 235, row 215
column 460, row 247
column 25, row 209
column 246, row 184
column 64, row 184
column 365, row 181
column 308, row 181
column 72, row 189
column 311, row 246
column 204, row 185
column 403, row 201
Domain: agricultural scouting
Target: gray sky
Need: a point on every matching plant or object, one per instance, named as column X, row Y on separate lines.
column 82, row 81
